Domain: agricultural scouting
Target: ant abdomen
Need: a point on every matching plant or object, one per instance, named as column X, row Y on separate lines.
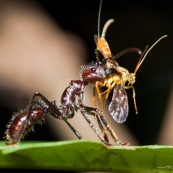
column 20, row 125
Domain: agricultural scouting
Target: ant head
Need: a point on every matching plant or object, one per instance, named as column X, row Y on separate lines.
column 92, row 72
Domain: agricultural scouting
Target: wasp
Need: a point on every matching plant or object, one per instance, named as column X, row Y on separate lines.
column 117, row 78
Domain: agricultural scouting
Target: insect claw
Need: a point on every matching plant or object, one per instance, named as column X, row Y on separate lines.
column 122, row 144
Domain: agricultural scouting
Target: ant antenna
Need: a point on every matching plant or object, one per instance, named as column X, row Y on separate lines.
column 145, row 53
column 98, row 32
column 102, row 45
column 106, row 24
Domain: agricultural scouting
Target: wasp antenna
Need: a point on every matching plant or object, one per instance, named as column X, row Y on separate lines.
column 99, row 14
column 106, row 27
column 139, row 62
column 96, row 39
column 145, row 53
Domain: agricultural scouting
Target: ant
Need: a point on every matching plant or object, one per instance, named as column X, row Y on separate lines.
column 23, row 121
column 117, row 78
column 71, row 101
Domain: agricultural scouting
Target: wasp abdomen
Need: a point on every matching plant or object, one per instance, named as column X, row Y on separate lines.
column 103, row 47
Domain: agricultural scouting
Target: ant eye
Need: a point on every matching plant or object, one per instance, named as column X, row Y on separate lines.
column 93, row 69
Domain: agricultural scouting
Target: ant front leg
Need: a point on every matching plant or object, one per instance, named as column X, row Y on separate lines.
column 92, row 111
column 105, row 139
column 53, row 110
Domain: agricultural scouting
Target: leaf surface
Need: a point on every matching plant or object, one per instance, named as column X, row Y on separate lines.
column 84, row 155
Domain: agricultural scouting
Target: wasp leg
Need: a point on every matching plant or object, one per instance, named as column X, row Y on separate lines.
column 99, row 85
column 134, row 96
column 107, row 92
column 94, row 97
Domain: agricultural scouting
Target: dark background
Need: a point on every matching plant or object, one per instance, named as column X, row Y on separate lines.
column 137, row 23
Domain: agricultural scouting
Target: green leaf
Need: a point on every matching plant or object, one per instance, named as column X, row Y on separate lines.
column 83, row 155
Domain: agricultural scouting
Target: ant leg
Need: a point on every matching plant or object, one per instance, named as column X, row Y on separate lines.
column 92, row 127
column 134, row 96
column 73, row 129
column 92, row 111
column 109, row 128
column 105, row 136
column 52, row 108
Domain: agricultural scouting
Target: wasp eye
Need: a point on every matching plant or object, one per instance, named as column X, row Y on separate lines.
column 130, row 78
column 93, row 69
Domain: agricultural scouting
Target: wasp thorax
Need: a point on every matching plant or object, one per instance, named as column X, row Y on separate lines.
column 124, row 72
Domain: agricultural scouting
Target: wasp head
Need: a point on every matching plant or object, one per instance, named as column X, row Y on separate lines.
column 131, row 78
column 126, row 76
column 92, row 73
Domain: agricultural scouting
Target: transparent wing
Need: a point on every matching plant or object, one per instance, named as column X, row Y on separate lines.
column 119, row 107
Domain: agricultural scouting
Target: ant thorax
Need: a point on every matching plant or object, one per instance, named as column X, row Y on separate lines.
column 126, row 76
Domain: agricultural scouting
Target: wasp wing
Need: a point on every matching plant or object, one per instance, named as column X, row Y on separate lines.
column 119, row 107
